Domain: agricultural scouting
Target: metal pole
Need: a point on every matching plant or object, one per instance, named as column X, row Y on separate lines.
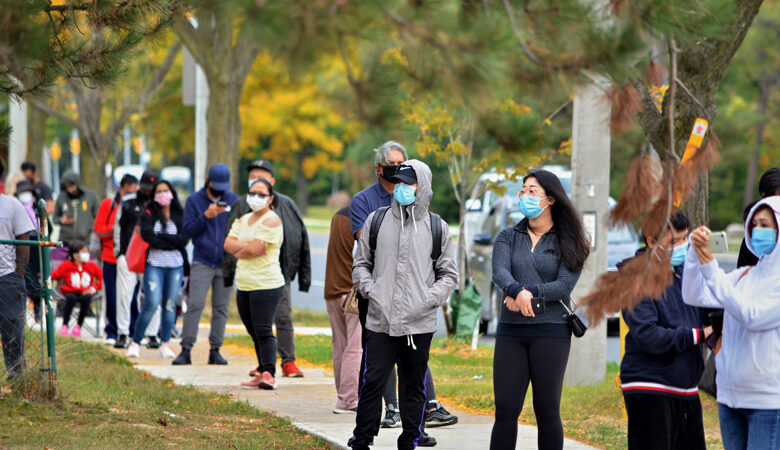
column 46, row 291
column 126, row 145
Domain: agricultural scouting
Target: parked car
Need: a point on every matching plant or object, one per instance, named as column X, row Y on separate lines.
column 622, row 242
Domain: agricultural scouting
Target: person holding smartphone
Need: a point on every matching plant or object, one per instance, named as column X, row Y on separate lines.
column 536, row 262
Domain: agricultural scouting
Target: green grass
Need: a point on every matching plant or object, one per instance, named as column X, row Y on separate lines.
column 301, row 317
column 105, row 403
column 591, row 414
column 320, row 212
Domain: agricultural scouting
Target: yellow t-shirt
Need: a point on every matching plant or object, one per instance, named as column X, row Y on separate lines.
column 261, row 272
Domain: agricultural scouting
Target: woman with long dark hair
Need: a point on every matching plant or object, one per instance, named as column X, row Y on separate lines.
column 166, row 263
column 256, row 240
column 536, row 262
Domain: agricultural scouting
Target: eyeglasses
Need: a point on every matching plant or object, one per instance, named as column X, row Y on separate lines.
column 257, row 194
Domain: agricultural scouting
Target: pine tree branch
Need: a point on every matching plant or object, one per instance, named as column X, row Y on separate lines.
column 81, row 7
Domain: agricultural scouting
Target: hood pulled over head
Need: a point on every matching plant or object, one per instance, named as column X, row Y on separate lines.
column 424, row 183
column 774, row 204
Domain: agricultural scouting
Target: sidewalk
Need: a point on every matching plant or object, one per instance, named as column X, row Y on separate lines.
column 308, row 401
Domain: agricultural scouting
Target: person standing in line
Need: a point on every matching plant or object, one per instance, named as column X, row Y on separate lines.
column 768, row 185
column 80, row 279
column 104, row 229
column 346, row 332
column 540, row 257
column 295, row 259
column 662, row 364
column 380, row 194
column 166, row 264
column 748, row 371
column 404, row 287
column 205, row 219
column 41, row 190
column 75, row 210
column 256, row 240
column 128, row 283
column 32, row 279
column 14, row 224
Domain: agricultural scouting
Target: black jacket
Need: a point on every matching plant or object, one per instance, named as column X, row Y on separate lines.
column 128, row 217
column 294, row 256
column 165, row 241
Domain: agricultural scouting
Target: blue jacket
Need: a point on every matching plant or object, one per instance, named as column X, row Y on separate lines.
column 208, row 235
column 663, row 355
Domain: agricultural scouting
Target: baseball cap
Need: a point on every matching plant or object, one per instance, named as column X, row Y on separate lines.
column 261, row 164
column 219, row 175
column 405, row 174
column 24, row 185
column 148, row 178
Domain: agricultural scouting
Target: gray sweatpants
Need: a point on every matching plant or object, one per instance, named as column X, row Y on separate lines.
column 201, row 278
column 285, row 334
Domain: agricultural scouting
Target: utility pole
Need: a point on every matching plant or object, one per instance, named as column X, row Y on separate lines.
column 17, row 149
column 590, row 193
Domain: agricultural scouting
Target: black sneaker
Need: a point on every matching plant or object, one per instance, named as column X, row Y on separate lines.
column 153, row 342
column 122, row 341
column 216, row 358
column 183, row 359
column 352, row 440
column 392, row 418
column 437, row 416
column 426, row 440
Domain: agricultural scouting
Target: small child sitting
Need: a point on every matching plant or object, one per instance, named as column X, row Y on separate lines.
column 79, row 279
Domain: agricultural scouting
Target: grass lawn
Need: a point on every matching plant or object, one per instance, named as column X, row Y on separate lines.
column 105, row 403
column 301, row 317
column 591, row 414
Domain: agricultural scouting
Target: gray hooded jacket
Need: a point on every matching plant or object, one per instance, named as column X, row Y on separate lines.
column 83, row 208
column 402, row 286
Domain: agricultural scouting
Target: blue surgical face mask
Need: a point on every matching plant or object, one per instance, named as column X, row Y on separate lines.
column 678, row 254
column 763, row 241
column 404, row 194
column 529, row 206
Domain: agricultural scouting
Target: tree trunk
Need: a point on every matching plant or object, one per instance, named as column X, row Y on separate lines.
column 752, row 172
column 224, row 126
column 92, row 175
column 36, row 135
column 697, row 207
column 301, row 184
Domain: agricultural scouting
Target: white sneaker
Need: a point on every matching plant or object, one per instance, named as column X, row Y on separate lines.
column 134, row 351
column 109, row 341
column 166, row 352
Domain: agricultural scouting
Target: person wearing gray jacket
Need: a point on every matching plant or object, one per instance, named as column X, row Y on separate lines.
column 75, row 209
column 404, row 288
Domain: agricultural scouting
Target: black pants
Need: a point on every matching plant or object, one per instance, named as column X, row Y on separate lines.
column 516, row 361
column 389, row 392
column 380, row 353
column 71, row 300
column 658, row 422
column 257, row 310
column 13, row 300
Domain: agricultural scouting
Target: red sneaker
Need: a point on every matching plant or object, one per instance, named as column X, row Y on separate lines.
column 289, row 369
column 255, row 373
column 267, row 381
column 251, row 384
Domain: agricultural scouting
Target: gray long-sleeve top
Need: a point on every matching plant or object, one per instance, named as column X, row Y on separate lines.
column 516, row 266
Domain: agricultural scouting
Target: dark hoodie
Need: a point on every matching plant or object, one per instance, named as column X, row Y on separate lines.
column 83, row 208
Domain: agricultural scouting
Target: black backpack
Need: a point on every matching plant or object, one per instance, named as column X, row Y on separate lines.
column 435, row 232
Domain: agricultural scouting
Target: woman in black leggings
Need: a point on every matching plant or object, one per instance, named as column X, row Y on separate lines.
column 540, row 258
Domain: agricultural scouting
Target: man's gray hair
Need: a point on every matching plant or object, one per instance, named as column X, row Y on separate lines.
column 384, row 151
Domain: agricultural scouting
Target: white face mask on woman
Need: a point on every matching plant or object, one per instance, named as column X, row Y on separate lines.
column 26, row 197
column 256, row 203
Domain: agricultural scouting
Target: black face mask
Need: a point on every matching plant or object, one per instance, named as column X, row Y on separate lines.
column 215, row 192
column 388, row 172
column 74, row 194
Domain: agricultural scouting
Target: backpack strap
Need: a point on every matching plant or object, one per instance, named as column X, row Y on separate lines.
column 436, row 233
column 373, row 232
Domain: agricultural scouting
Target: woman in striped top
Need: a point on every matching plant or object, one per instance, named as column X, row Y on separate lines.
column 166, row 263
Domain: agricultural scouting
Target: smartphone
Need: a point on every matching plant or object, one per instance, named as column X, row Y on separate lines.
column 718, row 242
column 538, row 304
column 222, row 204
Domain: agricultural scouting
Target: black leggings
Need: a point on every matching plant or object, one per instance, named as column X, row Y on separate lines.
column 516, row 361
column 257, row 310
column 72, row 300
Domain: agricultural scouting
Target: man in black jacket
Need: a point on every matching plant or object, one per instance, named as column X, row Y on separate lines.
column 294, row 257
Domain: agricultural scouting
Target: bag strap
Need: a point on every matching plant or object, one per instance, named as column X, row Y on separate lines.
column 436, row 232
column 373, row 232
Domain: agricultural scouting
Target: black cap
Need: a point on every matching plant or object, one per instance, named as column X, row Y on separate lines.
column 261, row 164
column 148, row 179
column 24, row 185
column 405, row 174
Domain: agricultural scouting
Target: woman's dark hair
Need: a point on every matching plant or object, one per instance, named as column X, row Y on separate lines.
column 572, row 244
column 156, row 210
column 74, row 247
column 266, row 183
column 769, row 184
column 126, row 180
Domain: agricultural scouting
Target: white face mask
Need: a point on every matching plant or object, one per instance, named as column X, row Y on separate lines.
column 257, row 203
column 84, row 257
column 26, row 198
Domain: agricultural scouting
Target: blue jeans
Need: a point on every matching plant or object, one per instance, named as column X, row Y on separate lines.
column 749, row 429
column 161, row 285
